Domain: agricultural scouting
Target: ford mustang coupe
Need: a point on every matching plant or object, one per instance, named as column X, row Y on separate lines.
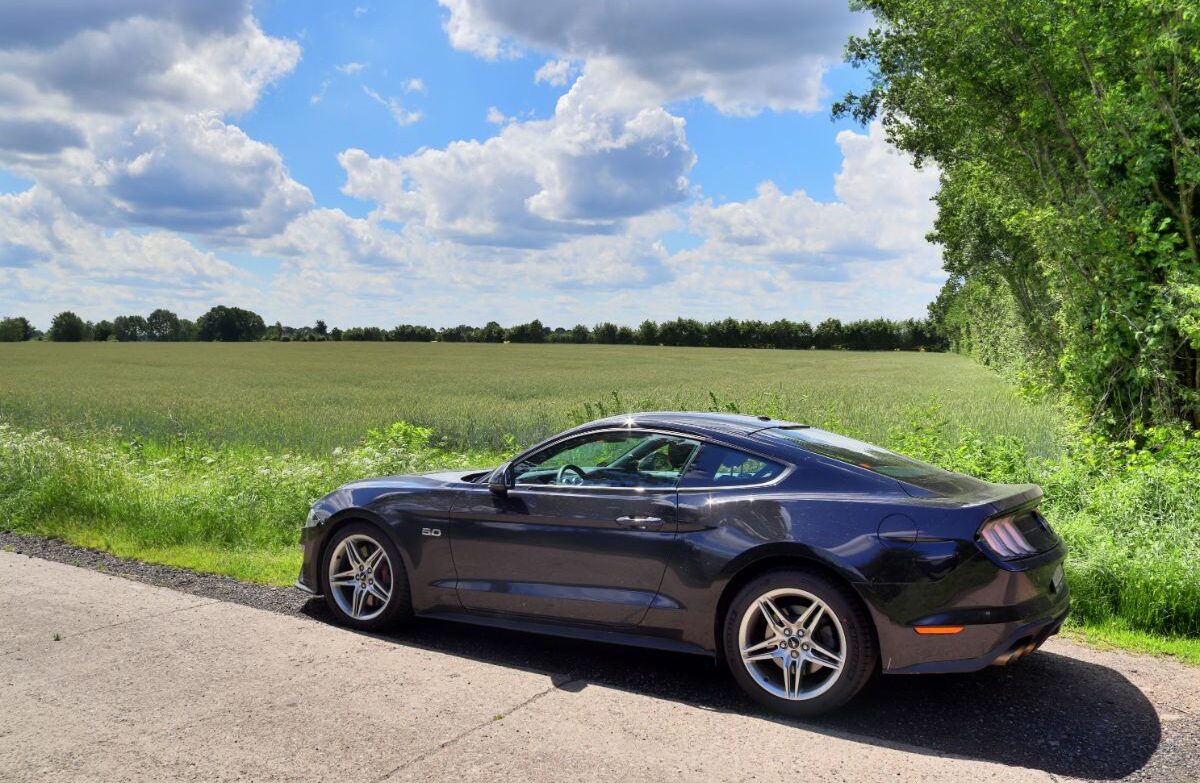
column 805, row 560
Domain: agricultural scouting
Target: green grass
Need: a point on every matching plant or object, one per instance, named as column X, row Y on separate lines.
column 1117, row 634
column 207, row 456
column 267, row 564
column 313, row 397
column 231, row 509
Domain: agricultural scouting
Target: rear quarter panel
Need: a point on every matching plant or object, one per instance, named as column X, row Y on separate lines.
column 828, row 515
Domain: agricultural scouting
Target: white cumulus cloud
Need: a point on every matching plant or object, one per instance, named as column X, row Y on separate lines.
column 193, row 173
column 585, row 170
column 556, row 73
column 118, row 110
column 869, row 243
column 51, row 259
column 739, row 55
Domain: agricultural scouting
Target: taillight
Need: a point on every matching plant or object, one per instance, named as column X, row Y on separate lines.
column 1004, row 538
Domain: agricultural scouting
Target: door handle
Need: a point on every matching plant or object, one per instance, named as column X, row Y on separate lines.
column 639, row 521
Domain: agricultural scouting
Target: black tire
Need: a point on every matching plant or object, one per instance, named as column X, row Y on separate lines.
column 859, row 654
column 377, row 615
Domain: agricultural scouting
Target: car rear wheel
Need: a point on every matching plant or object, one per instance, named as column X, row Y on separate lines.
column 363, row 577
column 798, row 643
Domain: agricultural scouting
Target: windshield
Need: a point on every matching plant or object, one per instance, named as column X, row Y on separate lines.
column 871, row 457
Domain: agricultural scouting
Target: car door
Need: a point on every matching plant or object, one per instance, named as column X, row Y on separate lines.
column 583, row 533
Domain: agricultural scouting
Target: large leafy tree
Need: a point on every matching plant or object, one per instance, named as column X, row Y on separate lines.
column 1068, row 137
column 532, row 332
column 15, row 330
column 492, row 332
column 230, row 324
column 67, row 327
column 828, row 334
column 130, row 328
column 164, row 325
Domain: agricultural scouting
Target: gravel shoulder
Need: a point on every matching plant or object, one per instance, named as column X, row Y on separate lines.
column 213, row 678
column 273, row 599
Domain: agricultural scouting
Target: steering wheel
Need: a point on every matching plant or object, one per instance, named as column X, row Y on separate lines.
column 574, row 468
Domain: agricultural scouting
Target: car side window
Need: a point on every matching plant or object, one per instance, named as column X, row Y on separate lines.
column 719, row 466
column 627, row 458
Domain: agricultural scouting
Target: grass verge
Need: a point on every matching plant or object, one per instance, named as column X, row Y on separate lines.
column 1114, row 634
column 230, row 510
column 1130, row 514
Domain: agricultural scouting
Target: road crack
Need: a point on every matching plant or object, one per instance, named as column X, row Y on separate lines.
column 468, row 732
column 119, row 623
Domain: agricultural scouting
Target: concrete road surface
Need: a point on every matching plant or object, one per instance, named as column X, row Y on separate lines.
column 104, row 678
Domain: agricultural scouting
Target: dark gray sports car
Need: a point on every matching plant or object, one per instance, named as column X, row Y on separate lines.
column 805, row 560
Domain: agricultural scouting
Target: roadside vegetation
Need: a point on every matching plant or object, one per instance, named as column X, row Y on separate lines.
column 1067, row 134
column 1129, row 511
column 232, row 509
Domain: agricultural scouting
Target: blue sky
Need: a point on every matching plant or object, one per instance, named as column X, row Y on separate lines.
column 468, row 160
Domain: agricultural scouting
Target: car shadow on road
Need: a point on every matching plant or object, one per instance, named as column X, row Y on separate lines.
column 1048, row 712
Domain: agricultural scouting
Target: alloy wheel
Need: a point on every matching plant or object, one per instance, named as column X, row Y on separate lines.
column 792, row 644
column 360, row 577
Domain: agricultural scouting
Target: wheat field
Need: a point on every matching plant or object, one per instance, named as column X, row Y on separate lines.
column 313, row 397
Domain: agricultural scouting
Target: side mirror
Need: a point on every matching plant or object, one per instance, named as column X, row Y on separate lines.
column 501, row 480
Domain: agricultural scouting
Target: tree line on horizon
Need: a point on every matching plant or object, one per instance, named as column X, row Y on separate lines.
column 233, row 324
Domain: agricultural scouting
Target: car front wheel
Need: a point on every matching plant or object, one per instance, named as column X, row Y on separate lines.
column 365, row 584
column 798, row 643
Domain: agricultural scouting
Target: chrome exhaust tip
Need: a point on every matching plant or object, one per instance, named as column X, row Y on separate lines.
column 1015, row 654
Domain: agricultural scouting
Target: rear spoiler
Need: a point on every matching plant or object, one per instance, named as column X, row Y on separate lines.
column 1011, row 497
column 1000, row 497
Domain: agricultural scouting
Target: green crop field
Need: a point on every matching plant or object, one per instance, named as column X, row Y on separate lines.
column 207, row 455
column 313, row 397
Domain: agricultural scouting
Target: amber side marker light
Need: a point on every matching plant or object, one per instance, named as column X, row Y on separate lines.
column 937, row 629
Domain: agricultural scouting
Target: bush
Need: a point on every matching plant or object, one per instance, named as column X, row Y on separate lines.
column 1130, row 514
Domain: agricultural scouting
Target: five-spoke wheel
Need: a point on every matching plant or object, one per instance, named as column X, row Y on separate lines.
column 798, row 642
column 364, row 577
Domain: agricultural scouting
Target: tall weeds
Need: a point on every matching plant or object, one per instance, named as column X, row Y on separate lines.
column 231, row 509
column 1130, row 515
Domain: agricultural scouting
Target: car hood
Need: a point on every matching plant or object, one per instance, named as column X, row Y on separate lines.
column 414, row 480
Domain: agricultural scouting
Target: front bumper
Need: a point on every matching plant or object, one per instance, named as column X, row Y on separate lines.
column 310, row 542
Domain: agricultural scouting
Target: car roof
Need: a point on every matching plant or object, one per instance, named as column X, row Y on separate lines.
column 693, row 421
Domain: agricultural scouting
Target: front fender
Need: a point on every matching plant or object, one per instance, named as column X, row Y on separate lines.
column 415, row 519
